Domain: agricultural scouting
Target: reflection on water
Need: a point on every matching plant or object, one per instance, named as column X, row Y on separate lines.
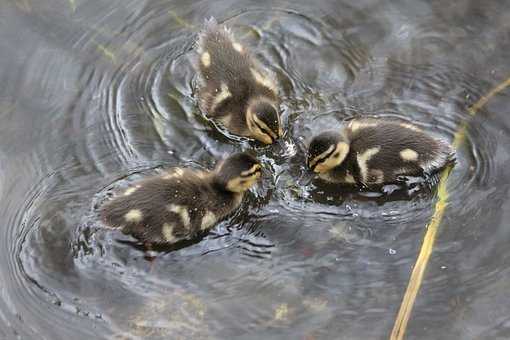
column 97, row 94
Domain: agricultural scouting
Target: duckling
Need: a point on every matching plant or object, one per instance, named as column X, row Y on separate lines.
column 234, row 89
column 182, row 203
column 375, row 151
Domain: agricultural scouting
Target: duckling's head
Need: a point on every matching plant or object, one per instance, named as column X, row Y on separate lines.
column 263, row 121
column 238, row 172
column 326, row 151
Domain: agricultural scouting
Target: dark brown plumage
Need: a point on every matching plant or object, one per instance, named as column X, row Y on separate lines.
column 234, row 89
column 180, row 204
column 377, row 151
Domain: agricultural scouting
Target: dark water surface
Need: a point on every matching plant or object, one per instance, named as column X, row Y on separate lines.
column 97, row 93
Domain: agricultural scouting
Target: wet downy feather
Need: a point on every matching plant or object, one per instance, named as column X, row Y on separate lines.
column 380, row 152
column 234, row 88
column 178, row 205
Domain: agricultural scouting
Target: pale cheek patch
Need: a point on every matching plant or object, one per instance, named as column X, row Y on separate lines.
column 250, row 182
column 409, row 155
column 235, row 185
column 133, row 215
column 208, row 220
column 339, row 154
column 182, row 211
column 253, row 123
column 363, row 158
column 238, row 47
column 168, row 232
column 260, row 79
column 252, row 169
column 322, row 155
column 206, row 59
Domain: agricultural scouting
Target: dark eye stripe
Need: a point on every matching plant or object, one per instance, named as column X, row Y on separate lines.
column 266, row 131
column 251, row 173
column 320, row 160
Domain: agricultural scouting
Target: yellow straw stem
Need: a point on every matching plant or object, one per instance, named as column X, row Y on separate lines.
column 415, row 281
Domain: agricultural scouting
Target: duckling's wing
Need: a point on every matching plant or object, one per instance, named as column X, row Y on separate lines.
column 386, row 150
column 156, row 210
column 221, row 58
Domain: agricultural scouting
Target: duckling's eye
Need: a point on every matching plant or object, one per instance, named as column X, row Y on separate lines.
column 336, row 155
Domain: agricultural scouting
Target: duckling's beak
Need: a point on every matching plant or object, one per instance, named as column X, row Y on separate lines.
column 266, row 139
column 310, row 162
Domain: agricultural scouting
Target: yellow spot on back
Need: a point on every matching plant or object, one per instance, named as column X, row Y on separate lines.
column 182, row 211
column 363, row 158
column 131, row 190
column 206, row 59
column 409, row 155
column 177, row 172
column 133, row 215
column 264, row 81
column 355, row 125
column 208, row 220
column 168, row 232
column 238, row 47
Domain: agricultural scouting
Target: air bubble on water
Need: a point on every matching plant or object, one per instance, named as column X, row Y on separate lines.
column 289, row 149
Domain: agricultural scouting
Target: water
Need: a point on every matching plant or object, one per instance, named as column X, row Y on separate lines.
column 96, row 94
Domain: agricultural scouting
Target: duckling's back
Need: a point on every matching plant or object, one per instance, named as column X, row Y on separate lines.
column 169, row 208
column 384, row 150
column 228, row 72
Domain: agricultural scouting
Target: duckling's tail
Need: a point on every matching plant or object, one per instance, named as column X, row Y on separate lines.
column 212, row 33
column 444, row 155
